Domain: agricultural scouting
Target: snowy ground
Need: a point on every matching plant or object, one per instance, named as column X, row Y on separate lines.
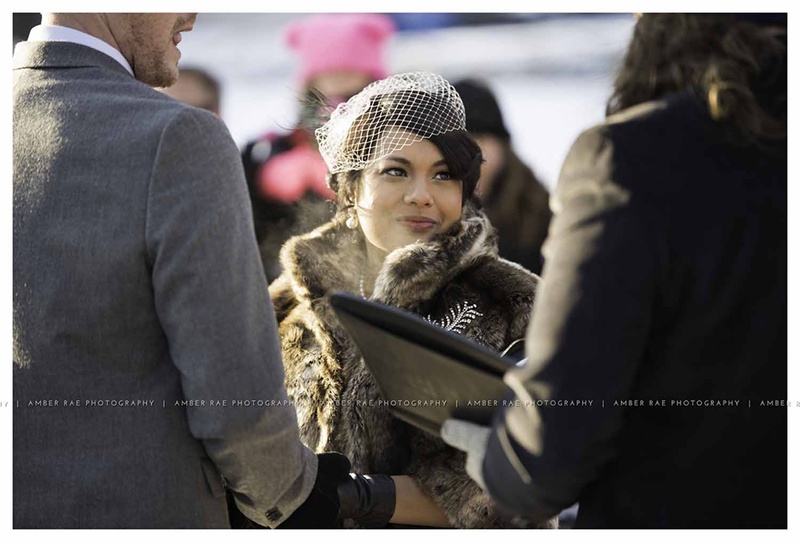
column 552, row 76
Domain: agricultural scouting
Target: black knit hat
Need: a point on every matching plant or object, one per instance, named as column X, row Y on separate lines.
column 483, row 113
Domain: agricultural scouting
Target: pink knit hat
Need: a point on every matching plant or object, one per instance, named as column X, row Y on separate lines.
column 341, row 42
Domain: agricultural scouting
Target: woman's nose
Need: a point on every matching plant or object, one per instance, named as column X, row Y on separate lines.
column 418, row 193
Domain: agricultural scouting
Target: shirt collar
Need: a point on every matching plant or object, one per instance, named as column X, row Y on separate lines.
column 62, row 33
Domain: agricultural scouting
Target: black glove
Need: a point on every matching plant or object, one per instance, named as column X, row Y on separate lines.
column 368, row 500
column 235, row 516
column 321, row 509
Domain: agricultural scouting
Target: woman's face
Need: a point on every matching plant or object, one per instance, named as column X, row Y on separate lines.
column 407, row 196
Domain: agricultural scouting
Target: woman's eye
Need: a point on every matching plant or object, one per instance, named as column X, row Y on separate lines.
column 393, row 172
column 443, row 176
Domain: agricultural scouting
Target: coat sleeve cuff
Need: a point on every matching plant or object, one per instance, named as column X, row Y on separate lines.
column 508, row 481
column 291, row 500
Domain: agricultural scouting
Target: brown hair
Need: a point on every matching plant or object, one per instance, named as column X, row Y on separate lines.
column 738, row 66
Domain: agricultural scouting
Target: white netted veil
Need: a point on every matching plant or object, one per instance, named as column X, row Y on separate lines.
column 388, row 115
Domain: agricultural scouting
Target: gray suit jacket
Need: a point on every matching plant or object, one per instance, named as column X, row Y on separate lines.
column 138, row 287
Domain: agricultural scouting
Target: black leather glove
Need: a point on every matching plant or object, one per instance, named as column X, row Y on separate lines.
column 321, row 508
column 368, row 500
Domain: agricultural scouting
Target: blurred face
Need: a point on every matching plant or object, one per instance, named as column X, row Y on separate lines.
column 328, row 90
column 149, row 41
column 407, row 196
column 189, row 89
column 340, row 86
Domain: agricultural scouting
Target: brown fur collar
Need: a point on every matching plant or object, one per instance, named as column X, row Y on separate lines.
column 332, row 257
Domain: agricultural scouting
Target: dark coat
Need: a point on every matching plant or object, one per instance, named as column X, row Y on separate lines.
column 136, row 278
column 665, row 280
column 326, row 375
column 518, row 205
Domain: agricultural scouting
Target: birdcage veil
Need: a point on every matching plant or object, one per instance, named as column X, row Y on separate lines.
column 388, row 115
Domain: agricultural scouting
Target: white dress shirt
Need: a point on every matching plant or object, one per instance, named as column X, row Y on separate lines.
column 44, row 32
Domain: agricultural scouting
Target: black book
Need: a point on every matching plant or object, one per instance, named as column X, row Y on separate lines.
column 425, row 373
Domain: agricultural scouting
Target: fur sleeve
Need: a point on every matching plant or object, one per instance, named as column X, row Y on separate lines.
column 283, row 298
column 512, row 294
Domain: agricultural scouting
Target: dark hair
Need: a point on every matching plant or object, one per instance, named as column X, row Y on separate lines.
column 483, row 111
column 739, row 67
column 460, row 152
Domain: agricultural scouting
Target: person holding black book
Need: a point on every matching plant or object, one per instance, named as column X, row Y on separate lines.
column 406, row 234
column 664, row 298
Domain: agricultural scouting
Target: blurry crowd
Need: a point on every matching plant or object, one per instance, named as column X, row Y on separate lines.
column 335, row 56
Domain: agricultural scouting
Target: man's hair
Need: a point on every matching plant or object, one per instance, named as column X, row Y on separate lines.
column 739, row 67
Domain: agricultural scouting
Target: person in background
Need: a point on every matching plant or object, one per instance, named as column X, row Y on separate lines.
column 22, row 23
column 406, row 234
column 198, row 88
column 664, row 298
column 337, row 56
column 141, row 324
column 515, row 201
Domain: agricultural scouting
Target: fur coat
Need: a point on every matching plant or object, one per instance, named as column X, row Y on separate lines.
column 327, row 379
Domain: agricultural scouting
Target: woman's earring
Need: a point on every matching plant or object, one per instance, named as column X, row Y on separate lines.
column 352, row 220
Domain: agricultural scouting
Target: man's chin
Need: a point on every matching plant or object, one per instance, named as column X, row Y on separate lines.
column 162, row 78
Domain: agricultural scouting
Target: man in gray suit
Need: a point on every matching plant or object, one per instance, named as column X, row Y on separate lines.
column 147, row 371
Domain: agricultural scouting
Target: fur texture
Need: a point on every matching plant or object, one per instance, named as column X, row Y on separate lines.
column 327, row 378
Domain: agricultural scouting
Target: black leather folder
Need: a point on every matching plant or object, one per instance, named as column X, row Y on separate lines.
column 425, row 373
